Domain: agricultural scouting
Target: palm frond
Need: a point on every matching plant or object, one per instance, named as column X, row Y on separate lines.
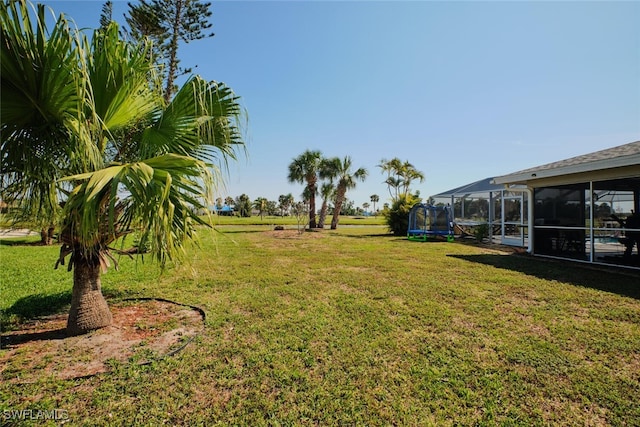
column 119, row 73
column 41, row 94
column 158, row 197
column 202, row 120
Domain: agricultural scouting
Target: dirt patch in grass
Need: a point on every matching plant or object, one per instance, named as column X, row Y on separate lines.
column 142, row 330
column 294, row 234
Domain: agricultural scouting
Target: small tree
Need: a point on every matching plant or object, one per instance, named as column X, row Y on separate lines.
column 243, row 205
column 301, row 212
column 400, row 175
column 88, row 113
column 261, row 204
column 272, row 207
column 481, row 231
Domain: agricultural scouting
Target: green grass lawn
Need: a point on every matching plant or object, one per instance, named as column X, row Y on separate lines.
column 354, row 327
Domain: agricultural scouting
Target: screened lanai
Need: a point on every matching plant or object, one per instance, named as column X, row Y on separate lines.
column 583, row 207
column 483, row 203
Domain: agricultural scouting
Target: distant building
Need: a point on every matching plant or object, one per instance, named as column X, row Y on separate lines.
column 225, row 210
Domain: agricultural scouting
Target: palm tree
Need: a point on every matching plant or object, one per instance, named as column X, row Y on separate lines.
column 327, row 172
column 260, row 204
column 408, row 174
column 304, row 170
column 346, row 180
column 393, row 181
column 374, row 199
column 27, row 136
column 84, row 124
column 400, row 175
column 327, row 191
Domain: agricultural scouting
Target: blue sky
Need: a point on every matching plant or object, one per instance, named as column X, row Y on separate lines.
column 463, row 90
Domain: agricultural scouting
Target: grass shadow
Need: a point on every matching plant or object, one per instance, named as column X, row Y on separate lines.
column 38, row 305
column 373, row 235
column 601, row 278
column 13, row 340
column 241, row 231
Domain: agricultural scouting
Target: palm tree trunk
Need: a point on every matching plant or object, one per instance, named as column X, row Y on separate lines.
column 46, row 235
column 312, row 206
column 336, row 211
column 323, row 214
column 89, row 310
column 50, row 233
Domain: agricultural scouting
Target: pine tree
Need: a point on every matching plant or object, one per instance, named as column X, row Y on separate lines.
column 106, row 14
column 167, row 23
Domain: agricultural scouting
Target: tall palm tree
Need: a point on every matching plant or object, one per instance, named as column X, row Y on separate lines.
column 409, row 173
column 327, row 191
column 374, row 199
column 400, row 175
column 393, row 181
column 346, row 180
column 84, row 124
column 304, row 170
column 328, row 173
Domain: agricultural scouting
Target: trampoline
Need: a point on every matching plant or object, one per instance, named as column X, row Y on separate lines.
column 428, row 222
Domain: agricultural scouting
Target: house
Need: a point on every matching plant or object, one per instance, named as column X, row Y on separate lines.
column 571, row 209
column 572, row 203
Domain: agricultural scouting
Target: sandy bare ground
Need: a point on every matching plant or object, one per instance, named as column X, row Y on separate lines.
column 142, row 330
column 6, row 233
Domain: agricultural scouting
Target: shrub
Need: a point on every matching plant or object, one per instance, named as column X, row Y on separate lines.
column 481, row 231
column 397, row 217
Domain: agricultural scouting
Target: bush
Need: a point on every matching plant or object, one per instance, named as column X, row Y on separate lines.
column 397, row 217
column 481, row 231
